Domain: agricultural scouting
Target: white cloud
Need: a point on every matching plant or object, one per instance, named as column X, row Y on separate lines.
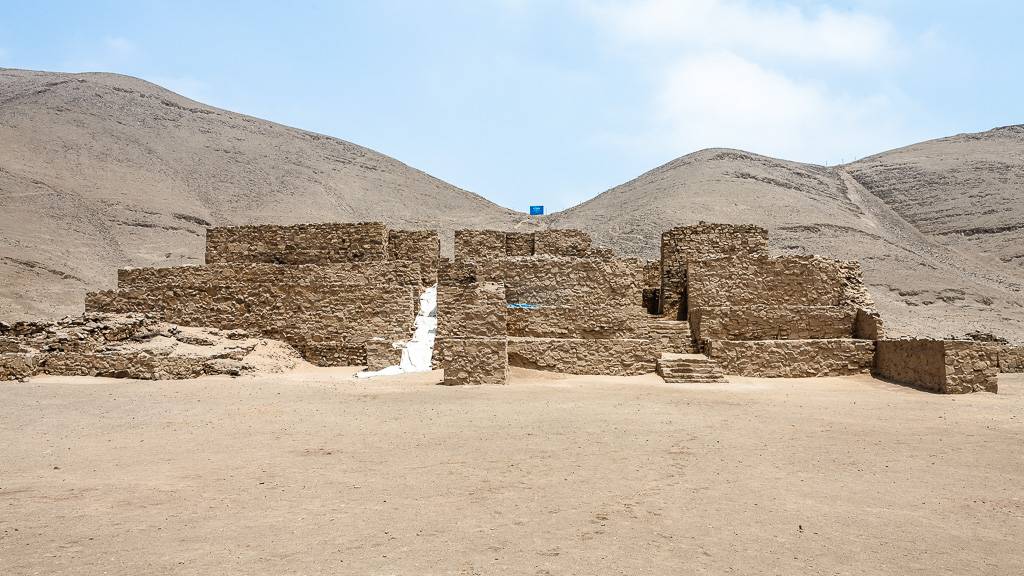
column 772, row 30
column 722, row 75
column 721, row 99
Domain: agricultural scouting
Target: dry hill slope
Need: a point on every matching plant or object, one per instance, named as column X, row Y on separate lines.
column 965, row 191
column 100, row 171
column 922, row 286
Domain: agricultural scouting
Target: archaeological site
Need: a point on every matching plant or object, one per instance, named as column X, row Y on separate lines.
column 715, row 305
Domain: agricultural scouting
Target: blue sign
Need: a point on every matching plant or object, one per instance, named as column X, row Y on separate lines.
column 536, row 210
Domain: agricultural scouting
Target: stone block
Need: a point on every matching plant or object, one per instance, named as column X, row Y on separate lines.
column 791, row 358
column 422, row 247
column 561, row 242
column 943, row 366
column 297, row 244
column 479, row 245
column 519, row 244
column 760, row 322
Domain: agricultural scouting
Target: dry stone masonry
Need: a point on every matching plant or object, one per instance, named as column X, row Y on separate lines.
column 347, row 294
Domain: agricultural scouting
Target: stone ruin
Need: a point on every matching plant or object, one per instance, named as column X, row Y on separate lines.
column 716, row 303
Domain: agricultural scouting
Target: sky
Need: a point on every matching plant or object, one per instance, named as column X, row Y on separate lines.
column 552, row 102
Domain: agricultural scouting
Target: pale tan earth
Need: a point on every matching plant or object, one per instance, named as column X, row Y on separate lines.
column 313, row 472
column 100, row 171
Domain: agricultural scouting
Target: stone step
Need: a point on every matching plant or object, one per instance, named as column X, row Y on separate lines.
column 689, row 368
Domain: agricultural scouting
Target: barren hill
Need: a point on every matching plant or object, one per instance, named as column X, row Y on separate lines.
column 100, row 171
column 922, row 285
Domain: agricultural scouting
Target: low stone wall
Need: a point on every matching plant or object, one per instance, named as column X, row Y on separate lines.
column 783, row 281
column 868, row 325
column 1011, row 359
column 578, row 322
column 422, row 247
column 772, row 322
column 791, row 358
column 479, row 244
column 682, row 245
column 946, row 367
column 561, row 242
column 613, row 357
column 971, row 367
column 472, row 361
column 298, row 244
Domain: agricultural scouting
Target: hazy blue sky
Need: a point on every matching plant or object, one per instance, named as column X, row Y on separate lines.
column 552, row 102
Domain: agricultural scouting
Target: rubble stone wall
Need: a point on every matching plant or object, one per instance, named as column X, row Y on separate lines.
column 578, row 322
column 348, row 274
column 298, row 244
column 479, row 245
column 782, row 281
column 761, row 322
column 971, row 367
column 568, row 281
column 422, row 247
column 1011, row 359
column 946, row 367
column 316, row 309
column 791, row 358
column 519, row 244
column 603, row 356
column 472, row 361
column 682, row 245
column 471, row 310
column 561, row 242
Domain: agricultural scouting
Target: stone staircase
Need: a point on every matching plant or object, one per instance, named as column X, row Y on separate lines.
column 671, row 335
column 689, row 369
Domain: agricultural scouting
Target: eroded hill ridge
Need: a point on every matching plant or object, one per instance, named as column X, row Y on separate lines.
column 99, row 172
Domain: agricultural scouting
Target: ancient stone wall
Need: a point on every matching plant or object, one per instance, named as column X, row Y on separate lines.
column 578, row 322
column 1011, row 359
column 560, row 281
column 561, row 242
column 519, row 244
column 479, row 245
column 971, row 367
column 682, row 245
column 422, row 247
column 326, row 312
column 946, row 367
column 602, row 356
column 782, row 281
column 761, row 322
column 298, row 244
column 471, row 343
column 791, row 358
column 868, row 325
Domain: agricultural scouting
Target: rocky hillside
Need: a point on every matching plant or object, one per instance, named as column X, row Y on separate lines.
column 923, row 283
column 100, row 171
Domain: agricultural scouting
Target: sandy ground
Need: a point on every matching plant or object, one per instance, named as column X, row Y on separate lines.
column 315, row 472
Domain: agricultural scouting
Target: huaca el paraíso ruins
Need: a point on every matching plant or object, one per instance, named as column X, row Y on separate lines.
column 716, row 305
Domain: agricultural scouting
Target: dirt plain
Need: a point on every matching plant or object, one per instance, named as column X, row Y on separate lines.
column 315, row 472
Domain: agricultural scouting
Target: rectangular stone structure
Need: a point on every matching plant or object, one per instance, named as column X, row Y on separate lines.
column 326, row 312
column 1011, row 359
column 472, row 361
column 942, row 366
column 685, row 244
column 561, row 242
column 479, row 245
column 761, row 322
column 297, row 244
column 782, row 281
column 791, row 358
column 471, row 310
column 602, row 356
column 422, row 247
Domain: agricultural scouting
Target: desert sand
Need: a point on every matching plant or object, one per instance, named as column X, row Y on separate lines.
column 316, row 472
